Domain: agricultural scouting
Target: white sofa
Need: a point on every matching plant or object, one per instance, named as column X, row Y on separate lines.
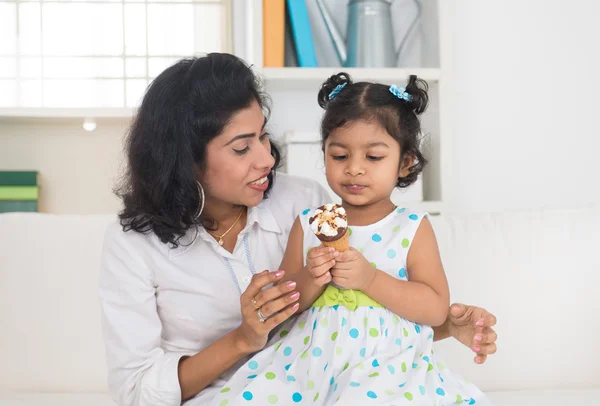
column 539, row 272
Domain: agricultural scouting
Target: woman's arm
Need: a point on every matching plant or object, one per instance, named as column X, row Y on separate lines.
column 423, row 299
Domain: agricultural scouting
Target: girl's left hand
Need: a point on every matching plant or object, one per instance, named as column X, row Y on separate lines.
column 352, row 270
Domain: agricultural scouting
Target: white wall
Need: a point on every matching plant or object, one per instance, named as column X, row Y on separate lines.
column 77, row 168
column 521, row 102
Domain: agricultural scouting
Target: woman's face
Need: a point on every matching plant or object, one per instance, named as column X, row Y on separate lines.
column 239, row 160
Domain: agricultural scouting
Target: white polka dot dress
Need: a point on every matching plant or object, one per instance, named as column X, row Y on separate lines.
column 364, row 356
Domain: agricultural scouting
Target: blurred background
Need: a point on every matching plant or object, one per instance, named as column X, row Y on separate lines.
column 514, row 84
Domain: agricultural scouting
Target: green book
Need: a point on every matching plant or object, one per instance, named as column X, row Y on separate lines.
column 18, row 178
column 12, row 206
column 18, row 192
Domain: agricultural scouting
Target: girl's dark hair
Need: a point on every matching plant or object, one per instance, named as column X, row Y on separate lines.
column 373, row 101
column 183, row 109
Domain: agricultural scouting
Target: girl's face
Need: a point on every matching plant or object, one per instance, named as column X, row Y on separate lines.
column 362, row 163
column 238, row 161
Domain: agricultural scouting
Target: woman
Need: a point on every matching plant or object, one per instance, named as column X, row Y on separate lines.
column 186, row 289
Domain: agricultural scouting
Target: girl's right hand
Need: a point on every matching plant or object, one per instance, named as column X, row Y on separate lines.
column 319, row 261
column 276, row 304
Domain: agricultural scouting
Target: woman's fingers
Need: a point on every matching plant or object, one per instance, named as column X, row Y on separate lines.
column 274, row 306
column 274, row 292
column 282, row 316
column 259, row 281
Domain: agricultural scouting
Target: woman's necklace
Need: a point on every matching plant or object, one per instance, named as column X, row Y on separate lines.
column 220, row 237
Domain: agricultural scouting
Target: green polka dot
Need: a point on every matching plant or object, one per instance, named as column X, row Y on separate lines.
column 346, row 366
column 429, row 367
column 373, row 332
column 306, row 339
column 324, row 322
column 408, row 395
column 349, row 231
column 405, row 243
column 334, row 336
column 404, row 367
column 366, row 321
column 395, row 319
column 224, row 402
column 459, row 399
column 301, row 325
column 283, row 333
column 405, row 332
column 225, row 390
column 360, row 250
column 310, row 385
column 373, row 264
column 270, row 375
column 304, row 355
column 272, row 399
column 338, row 351
column 441, row 366
column 277, row 346
column 361, row 366
column 389, row 392
column 316, row 397
column 374, row 374
column 395, row 229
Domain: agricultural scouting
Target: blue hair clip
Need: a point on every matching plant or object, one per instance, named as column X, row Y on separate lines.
column 400, row 92
column 337, row 89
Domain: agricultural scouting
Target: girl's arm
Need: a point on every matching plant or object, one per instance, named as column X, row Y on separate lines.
column 426, row 297
column 293, row 265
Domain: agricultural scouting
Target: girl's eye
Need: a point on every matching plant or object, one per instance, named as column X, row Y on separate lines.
column 241, row 151
column 339, row 157
column 374, row 158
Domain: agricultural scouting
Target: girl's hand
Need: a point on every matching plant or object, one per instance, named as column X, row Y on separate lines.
column 472, row 326
column 353, row 271
column 276, row 304
column 319, row 260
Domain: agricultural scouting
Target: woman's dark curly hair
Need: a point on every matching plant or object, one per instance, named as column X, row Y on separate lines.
column 183, row 109
column 374, row 101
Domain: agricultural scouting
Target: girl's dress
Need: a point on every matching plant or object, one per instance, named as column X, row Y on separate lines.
column 348, row 348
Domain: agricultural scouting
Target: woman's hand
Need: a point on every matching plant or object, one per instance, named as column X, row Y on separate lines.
column 472, row 326
column 263, row 310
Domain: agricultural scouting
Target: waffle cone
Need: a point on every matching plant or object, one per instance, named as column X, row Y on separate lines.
column 341, row 244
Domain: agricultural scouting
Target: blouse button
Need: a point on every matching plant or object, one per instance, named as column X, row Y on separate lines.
column 246, row 279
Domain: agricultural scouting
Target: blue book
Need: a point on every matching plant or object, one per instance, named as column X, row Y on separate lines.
column 303, row 39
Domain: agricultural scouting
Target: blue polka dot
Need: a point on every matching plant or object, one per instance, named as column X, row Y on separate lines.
column 251, row 376
column 354, row 384
column 440, row 392
column 372, row 394
column 415, row 365
column 305, row 212
column 312, row 310
column 381, row 321
column 413, row 217
column 354, row 333
column 402, row 385
column 253, row 365
column 422, row 389
column 426, row 358
column 417, row 328
column 290, row 378
column 385, row 333
column 441, row 379
column 287, row 351
column 335, row 307
column 398, row 341
column 296, row 397
column 375, row 363
column 363, row 351
column 344, row 321
column 325, row 367
column 376, row 237
column 402, row 273
column 287, row 367
column 391, row 254
column 391, row 369
column 335, row 387
column 400, row 210
column 331, row 381
column 472, row 402
column 315, row 325
column 409, row 347
column 247, row 395
column 317, row 352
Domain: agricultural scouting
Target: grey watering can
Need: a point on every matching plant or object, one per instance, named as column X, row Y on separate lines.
column 370, row 37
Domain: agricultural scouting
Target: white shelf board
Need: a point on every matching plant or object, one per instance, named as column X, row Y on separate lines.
column 300, row 78
column 50, row 112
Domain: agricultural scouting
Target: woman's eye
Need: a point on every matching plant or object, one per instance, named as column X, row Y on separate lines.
column 241, row 151
column 374, row 158
column 339, row 157
column 264, row 137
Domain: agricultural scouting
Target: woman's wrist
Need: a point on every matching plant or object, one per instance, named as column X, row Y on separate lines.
column 241, row 343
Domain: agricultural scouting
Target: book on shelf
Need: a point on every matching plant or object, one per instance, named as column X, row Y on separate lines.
column 18, row 178
column 302, row 33
column 12, row 206
column 19, row 191
column 273, row 33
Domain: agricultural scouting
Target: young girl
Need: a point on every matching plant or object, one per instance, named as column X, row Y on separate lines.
column 367, row 338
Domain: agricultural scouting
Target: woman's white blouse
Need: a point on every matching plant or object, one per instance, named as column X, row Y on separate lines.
column 159, row 304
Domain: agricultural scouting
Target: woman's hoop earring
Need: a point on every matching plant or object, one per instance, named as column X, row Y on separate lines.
column 201, row 195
